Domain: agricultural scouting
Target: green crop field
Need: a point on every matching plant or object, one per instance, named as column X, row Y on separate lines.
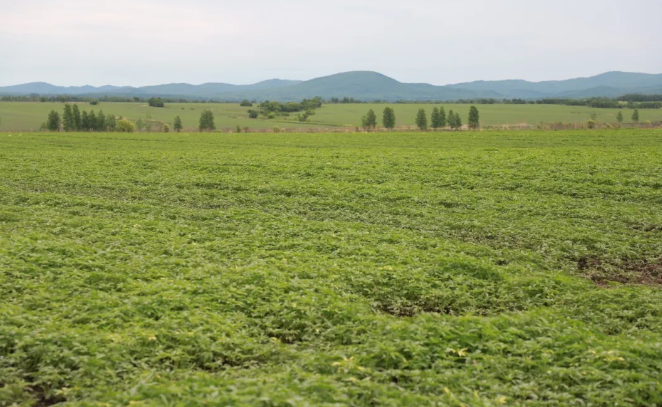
column 392, row 269
column 24, row 116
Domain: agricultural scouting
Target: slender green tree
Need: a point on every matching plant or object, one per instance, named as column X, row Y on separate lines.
column 92, row 120
column 451, row 119
column 458, row 120
column 178, row 124
column 371, row 119
column 101, row 121
column 68, row 118
column 474, row 118
column 635, row 116
column 442, row 117
column 422, row 120
column 77, row 119
column 619, row 116
column 53, row 122
column 207, row 121
column 111, row 123
column 388, row 119
column 85, row 121
column 435, row 119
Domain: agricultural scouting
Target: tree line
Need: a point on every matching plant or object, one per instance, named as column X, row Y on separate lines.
column 73, row 119
column 439, row 119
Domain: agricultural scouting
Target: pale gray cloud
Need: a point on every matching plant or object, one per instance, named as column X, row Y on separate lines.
column 142, row 42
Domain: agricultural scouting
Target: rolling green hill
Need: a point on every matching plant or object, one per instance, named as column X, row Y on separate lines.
column 366, row 85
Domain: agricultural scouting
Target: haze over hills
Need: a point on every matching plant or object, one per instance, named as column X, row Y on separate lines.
column 365, row 85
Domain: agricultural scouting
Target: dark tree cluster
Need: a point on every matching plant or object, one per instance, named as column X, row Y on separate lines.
column 156, row 102
column 74, row 120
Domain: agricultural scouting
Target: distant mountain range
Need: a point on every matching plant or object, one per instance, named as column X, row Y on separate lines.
column 364, row 85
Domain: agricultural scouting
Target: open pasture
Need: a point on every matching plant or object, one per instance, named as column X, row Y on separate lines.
column 26, row 116
column 466, row 269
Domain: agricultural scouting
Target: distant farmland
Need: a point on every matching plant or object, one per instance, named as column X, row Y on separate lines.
column 25, row 116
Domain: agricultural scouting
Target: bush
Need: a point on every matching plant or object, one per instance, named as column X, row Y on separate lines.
column 156, row 102
column 276, row 129
column 125, row 126
column 591, row 124
column 246, row 103
column 253, row 114
column 166, row 128
column 271, row 115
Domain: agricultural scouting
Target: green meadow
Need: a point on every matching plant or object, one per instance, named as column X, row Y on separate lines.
column 28, row 116
column 392, row 269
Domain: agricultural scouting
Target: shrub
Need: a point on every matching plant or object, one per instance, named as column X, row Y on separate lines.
column 246, row 103
column 276, row 129
column 166, row 128
column 125, row 126
column 271, row 115
column 591, row 124
column 156, row 102
column 253, row 114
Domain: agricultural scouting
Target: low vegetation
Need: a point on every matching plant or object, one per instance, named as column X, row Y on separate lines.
column 451, row 269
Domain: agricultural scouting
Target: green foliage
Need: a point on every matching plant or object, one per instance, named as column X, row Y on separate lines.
column 635, row 116
column 619, row 116
column 451, row 120
column 458, row 120
column 591, row 124
column 484, row 269
column 238, row 129
column 435, row 118
column 370, row 120
column 422, row 120
column 78, row 125
column 388, row 118
column 125, row 126
column 53, row 122
column 166, row 128
column 94, row 102
column 474, row 118
column 207, row 121
column 111, row 122
column 253, row 114
column 68, row 118
column 85, row 122
column 271, row 116
column 156, row 102
column 245, row 103
column 140, row 124
column 178, row 124
column 100, row 124
column 276, row 129
column 442, row 117
column 92, row 121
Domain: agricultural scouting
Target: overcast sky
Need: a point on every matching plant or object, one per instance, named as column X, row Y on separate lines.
column 147, row 42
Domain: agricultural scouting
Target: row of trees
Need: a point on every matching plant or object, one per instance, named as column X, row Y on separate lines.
column 75, row 120
column 635, row 116
column 438, row 119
